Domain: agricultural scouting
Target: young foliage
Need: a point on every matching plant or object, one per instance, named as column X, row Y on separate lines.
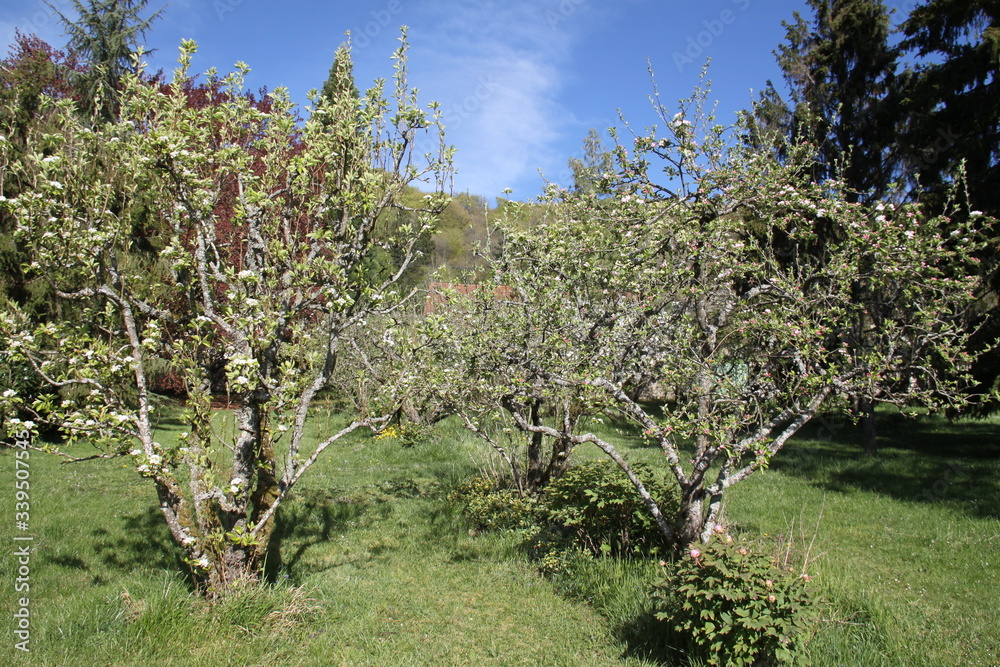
column 736, row 605
column 596, row 504
column 704, row 272
column 492, row 507
column 266, row 226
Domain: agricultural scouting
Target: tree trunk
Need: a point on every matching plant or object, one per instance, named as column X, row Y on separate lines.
column 254, row 467
column 535, row 470
column 866, row 412
column 562, row 448
column 236, row 567
column 264, row 495
column 690, row 518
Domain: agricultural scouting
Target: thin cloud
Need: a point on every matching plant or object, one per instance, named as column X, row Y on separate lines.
column 497, row 69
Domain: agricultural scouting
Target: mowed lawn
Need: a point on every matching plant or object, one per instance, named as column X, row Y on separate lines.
column 372, row 566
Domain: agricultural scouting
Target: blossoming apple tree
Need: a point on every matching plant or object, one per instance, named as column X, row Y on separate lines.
column 264, row 228
column 733, row 281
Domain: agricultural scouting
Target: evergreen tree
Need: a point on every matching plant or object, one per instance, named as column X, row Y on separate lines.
column 839, row 69
column 105, row 36
column 597, row 163
column 340, row 81
column 952, row 97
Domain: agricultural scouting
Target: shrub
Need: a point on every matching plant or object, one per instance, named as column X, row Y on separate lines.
column 596, row 505
column 408, row 434
column 736, row 605
column 491, row 507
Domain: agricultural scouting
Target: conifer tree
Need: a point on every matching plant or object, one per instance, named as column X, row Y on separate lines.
column 597, row 163
column 953, row 97
column 105, row 36
column 952, row 109
column 839, row 69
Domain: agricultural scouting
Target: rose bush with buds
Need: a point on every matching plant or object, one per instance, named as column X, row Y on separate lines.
column 733, row 603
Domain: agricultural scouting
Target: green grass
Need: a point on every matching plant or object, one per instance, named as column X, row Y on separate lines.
column 907, row 544
column 371, row 566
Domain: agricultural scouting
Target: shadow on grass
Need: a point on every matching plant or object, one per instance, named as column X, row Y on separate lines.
column 71, row 562
column 924, row 460
column 651, row 640
column 143, row 541
column 310, row 517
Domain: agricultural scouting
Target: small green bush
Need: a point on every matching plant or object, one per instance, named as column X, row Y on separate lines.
column 736, row 606
column 491, row 507
column 597, row 506
column 408, row 434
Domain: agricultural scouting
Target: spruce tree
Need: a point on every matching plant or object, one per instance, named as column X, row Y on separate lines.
column 839, row 69
column 952, row 107
column 341, row 77
column 105, row 36
column 953, row 97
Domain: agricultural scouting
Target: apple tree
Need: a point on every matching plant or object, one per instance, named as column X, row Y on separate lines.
column 730, row 279
column 265, row 227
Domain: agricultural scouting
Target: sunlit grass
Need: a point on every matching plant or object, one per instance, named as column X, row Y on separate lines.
column 371, row 566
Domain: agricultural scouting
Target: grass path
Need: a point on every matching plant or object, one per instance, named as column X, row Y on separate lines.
column 389, row 573
column 372, row 567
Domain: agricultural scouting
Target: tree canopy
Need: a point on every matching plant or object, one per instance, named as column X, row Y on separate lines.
column 258, row 281
column 679, row 282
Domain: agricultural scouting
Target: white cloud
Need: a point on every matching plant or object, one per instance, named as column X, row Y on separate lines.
column 497, row 69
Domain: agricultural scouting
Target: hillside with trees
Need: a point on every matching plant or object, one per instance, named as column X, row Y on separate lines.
column 347, row 415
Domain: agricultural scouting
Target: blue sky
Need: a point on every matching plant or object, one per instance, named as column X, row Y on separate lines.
column 520, row 81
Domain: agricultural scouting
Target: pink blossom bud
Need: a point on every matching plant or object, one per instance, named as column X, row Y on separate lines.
column 695, row 553
column 771, row 598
